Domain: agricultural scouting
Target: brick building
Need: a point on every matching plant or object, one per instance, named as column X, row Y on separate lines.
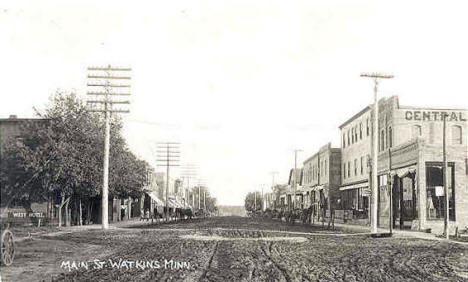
column 11, row 127
column 321, row 178
column 294, row 188
column 356, row 142
column 410, row 162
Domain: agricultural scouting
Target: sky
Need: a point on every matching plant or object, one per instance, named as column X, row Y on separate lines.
column 240, row 84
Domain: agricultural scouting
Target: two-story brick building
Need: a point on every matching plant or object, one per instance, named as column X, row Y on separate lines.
column 410, row 153
column 321, row 179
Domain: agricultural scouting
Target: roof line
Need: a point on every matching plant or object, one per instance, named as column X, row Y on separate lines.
column 355, row 116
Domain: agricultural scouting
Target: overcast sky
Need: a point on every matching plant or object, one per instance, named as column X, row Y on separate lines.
column 240, row 84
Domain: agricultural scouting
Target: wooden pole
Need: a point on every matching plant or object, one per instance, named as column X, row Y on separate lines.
column 446, row 193
column 255, row 200
column 390, row 188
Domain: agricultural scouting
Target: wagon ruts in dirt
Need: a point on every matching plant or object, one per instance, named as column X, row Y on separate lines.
column 8, row 245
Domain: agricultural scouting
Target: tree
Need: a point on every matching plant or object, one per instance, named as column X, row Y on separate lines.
column 278, row 190
column 250, row 200
column 61, row 159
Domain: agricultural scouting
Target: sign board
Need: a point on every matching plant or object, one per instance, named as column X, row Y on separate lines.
column 434, row 115
column 439, row 191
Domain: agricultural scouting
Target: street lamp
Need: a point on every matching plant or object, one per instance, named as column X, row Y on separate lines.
column 375, row 186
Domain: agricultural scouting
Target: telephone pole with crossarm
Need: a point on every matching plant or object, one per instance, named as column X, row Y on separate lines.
column 105, row 84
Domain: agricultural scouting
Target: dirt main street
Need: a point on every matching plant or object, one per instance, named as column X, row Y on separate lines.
column 234, row 249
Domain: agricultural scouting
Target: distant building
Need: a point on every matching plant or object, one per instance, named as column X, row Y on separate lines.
column 321, row 179
column 11, row 128
column 295, row 189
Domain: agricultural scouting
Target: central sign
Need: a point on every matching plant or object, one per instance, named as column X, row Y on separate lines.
column 434, row 116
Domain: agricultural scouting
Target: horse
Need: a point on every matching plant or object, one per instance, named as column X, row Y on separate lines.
column 186, row 213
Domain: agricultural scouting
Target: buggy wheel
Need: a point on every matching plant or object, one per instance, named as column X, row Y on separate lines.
column 8, row 248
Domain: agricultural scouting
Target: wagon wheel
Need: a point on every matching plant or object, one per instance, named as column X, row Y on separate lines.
column 8, row 247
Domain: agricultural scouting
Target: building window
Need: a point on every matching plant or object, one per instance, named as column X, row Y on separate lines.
column 362, row 165
column 416, row 131
column 457, row 134
column 325, row 168
column 356, row 134
column 349, row 169
column 368, row 127
column 344, row 171
column 344, row 141
column 355, row 167
column 348, row 138
column 360, row 131
column 352, row 135
column 435, row 191
column 382, row 140
column 390, row 137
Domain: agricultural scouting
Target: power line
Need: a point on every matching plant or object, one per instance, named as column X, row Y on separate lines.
column 167, row 158
column 103, row 91
column 376, row 77
column 189, row 171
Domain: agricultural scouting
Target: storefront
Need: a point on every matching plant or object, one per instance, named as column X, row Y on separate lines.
column 354, row 201
column 417, row 187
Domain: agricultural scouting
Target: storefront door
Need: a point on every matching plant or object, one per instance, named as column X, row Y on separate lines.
column 404, row 201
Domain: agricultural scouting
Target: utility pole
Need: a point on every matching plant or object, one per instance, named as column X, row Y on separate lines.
column 105, row 84
column 390, row 188
column 273, row 173
column 199, row 187
column 295, row 184
column 255, row 200
column 168, row 154
column 189, row 171
column 375, row 185
column 204, row 200
column 200, row 183
column 262, row 202
column 446, row 192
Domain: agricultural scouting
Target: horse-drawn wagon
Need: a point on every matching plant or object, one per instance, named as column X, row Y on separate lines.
column 8, row 245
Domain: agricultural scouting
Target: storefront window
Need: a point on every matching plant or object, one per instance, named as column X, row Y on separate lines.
column 354, row 200
column 435, row 191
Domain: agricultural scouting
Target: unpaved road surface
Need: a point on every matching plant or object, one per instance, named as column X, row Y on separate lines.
column 235, row 249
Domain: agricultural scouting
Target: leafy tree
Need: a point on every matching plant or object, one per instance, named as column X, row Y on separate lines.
column 251, row 199
column 61, row 158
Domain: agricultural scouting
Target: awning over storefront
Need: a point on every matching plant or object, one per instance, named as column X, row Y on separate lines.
column 404, row 172
column 180, row 205
column 354, row 186
column 153, row 196
column 174, row 204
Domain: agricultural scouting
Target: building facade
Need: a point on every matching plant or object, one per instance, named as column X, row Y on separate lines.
column 294, row 196
column 410, row 145
column 321, row 179
column 356, row 142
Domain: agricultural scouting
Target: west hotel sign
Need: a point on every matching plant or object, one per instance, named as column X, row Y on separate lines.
column 434, row 115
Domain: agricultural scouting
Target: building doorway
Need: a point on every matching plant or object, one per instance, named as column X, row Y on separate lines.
column 405, row 208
